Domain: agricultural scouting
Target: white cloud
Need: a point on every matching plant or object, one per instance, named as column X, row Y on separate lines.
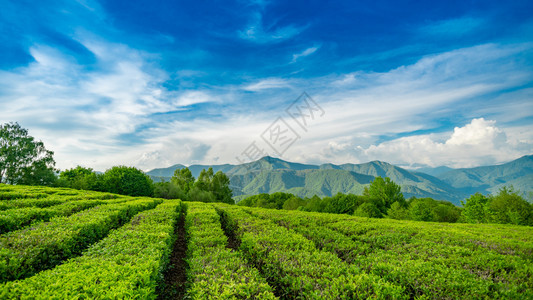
column 193, row 97
column 72, row 108
column 304, row 53
column 268, row 83
column 478, row 143
column 257, row 32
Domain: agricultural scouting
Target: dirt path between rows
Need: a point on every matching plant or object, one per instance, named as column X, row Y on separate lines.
column 176, row 274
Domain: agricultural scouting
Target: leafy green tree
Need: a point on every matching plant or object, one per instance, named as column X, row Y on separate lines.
column 23, row 160
column 293, row 203
column 369, row 210
column 168, row 190
column 342, row 203
column 444, row 211
column 204, row 179
column 127, row 181
column 384, row 192
column 508, row 207
column 219, row 186
column 315, row 203
column 398, row 212
column 199, row 195
column 80, row 178
column 421, row 210
column 256, row 200
column 183, row 179
column 474, row 208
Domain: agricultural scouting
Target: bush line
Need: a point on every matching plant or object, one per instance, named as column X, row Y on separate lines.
column 215, row 271
column 27, row 251
column 128, row 263
column 297, row 270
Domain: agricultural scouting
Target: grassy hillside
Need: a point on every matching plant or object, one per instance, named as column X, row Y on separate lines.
column 126, row 247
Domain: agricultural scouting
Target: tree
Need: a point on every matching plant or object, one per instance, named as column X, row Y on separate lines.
column 445, row 211
column 22, row 159
column 315, row 204
column 342, row 203
column 474, row 208
column 384, row 192
column 169, row 190
column 127, row 181
column 183, row 179
column 421, row 210
column 204, row 179
column 508, row 207
column 219, row 186
column 369, row 210
column 398, row 212
column 80, row 178
column 293, row 203
column 199, row 195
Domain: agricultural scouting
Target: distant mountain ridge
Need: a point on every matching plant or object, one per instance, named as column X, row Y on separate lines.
column 269, row 175
column 488, row 179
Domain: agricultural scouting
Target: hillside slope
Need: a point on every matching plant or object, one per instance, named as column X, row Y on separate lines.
column 489, row 179
column 270, row 175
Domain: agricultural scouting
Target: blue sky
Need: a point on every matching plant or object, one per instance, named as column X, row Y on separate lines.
column 155, row 83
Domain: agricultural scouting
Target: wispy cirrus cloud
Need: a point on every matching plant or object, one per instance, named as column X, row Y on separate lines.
column 259, row 32
column 304, row 53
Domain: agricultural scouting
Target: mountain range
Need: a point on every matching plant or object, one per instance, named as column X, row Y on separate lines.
column 269, row 175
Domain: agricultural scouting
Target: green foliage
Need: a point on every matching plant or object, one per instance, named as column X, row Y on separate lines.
column 127, row 181
column 196, row 194
column 315, row 203
column 183, row 179
column 219, row 186
column 208, row 187
column 14, row 219
column 127, row 264
column 24, row 160
column 295, row 267
column 293, row 203
column 204, row 180
column 383, row 192
column 342, row 203
column 285, row 253
column 275, row 200
column 398, row 212
column 216, row 272
column 474, row 208
column 431, row 210
column 369, row 210
column 81, row 178
column 169, row 190
column 27, row 251
column 508, row 207
column 420, row 210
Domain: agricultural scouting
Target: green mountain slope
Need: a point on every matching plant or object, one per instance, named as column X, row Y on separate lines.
column 270, row 175
column 306, row 183
column 489, row 179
